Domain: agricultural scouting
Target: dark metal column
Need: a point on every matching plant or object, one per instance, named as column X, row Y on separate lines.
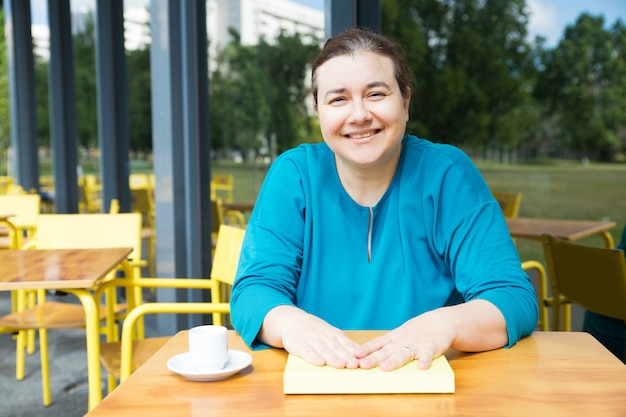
column 368, row 14
column 113, row 130
column 180, row 146
column 340, row 15
column 196, row 143
column 22, row 93
column 62, row 107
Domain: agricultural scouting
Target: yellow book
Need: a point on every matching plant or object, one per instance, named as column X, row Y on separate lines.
column 300, row 377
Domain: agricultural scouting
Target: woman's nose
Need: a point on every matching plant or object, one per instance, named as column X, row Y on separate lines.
column 359, row 112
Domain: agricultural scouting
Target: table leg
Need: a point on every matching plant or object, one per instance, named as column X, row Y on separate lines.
column 93, row 345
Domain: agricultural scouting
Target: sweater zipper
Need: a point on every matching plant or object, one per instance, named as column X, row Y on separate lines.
column 369, row 236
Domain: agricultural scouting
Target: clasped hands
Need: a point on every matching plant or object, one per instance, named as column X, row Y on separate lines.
column 317, row 342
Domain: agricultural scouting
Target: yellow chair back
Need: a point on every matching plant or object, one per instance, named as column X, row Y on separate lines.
column 88, row 231
column 120, row 359
column 90, row 198
column 592, row 277
column 25, row 209
column 222, row 186
column 509, row 202
column 226, row 257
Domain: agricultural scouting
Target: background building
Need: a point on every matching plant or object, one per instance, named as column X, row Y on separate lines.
column 253, row 19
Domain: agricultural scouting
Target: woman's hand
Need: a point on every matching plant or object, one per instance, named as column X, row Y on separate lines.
column 474, row 326
column 308, row 337
column 424, row 338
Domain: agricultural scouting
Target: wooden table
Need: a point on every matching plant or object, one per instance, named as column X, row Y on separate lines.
column 546, row 374
column 75, row 271
column 242, row 206
column 531, row 228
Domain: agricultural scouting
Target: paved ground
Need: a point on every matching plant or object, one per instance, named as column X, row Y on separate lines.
column 68, row 370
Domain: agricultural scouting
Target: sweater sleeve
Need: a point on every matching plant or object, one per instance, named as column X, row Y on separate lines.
column 271, row 255
column 472, row 235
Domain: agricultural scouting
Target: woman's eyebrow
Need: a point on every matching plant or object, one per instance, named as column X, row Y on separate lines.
column 373, row 84
column 334, row 91
column 378, row 84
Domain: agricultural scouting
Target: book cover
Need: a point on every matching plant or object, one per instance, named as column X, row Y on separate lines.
column 300, row 377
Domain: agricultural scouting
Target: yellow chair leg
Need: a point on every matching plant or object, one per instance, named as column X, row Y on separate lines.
column 567, row 317
column 111, row 383
column 19, row 354
column 45, row 366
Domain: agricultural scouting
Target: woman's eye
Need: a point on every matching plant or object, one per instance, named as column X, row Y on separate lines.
column 376, row 95
column 336, row 100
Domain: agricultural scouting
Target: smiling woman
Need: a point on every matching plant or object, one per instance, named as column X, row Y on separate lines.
column 366, row 231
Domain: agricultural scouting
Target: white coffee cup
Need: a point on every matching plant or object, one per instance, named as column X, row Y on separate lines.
column 208, row 347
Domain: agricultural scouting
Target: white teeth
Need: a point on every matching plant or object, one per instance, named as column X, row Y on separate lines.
column 362, row 135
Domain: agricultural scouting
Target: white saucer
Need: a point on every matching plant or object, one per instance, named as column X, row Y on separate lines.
column 181, row 364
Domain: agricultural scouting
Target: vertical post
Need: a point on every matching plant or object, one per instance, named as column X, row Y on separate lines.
column 340, row 15
column 196, row 143
column 62, row 108
column 113, row 131
column 181, row 147
column 22, row 92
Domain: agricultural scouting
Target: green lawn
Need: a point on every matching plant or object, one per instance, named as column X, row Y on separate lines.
column 564, row 190
column 558, row 189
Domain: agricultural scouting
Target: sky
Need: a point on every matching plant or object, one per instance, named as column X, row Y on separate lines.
column 549, row 18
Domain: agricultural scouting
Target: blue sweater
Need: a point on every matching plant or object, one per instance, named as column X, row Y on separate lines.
column 436, row 238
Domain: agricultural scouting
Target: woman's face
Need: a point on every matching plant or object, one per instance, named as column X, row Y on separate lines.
column 361, row 110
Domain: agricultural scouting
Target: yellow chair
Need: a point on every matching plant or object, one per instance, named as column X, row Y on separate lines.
column 71, row 231
column 536, row 269
column 114, row 207
column 139, row 180
column 142, row 201
column 509, row 202
column 25, row 209
column 6, row 183
column 222, row 186
column 120, row 359
column 221, row 217
column 89, row 194
column 592, row 277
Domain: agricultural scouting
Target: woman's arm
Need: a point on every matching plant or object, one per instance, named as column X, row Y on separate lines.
column 473, row 326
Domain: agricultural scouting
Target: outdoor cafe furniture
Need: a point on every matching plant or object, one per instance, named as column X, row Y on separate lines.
column 535, row 228
column 566, row 229
column 75, row 271
column 546, row 374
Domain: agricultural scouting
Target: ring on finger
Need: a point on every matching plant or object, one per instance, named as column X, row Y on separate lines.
column 408, row 349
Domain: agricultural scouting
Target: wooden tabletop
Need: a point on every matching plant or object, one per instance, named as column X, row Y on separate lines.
column 531, row 228
column 55, row 269
column 5, row 216
column 546, row 374
column 240, row 205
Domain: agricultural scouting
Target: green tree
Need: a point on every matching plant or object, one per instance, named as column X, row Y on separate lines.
column 41, row 94
column 5, row 108
column 473, row 66
column 139, row 99
column 284, row 66
column 239, row 112
column 85, row 79
column 258, row 92
column 583, row 81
